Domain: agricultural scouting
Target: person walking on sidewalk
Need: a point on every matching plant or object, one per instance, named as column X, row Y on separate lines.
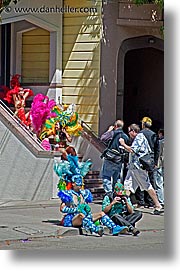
column 159, row 171
column 136, row 175
column 111, row 169
column 152, row 138
column 120, row 209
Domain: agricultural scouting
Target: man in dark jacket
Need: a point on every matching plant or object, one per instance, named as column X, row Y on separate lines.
column 152, row 138
column 111, row 170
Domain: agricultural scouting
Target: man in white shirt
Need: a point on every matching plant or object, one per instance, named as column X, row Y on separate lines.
column 137, row 176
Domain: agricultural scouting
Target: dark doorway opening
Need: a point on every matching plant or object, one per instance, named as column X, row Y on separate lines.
column 144, row 86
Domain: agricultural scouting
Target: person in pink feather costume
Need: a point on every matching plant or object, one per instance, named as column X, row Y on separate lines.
column 40, row 111
column 46, row 145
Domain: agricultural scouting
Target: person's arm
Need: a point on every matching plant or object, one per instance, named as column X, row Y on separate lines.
column 156, row 151
column 27, row 93
column 108, row 207
column 67, row 209
column 69, row 138
column 126, row 147
column 108, row 134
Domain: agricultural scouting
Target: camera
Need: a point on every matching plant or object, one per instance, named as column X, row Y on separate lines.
column 123, row 199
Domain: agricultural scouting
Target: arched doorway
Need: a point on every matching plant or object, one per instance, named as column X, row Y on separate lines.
column 142, row 93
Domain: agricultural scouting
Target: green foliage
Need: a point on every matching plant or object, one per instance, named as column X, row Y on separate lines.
column 160, row 3
column 141, row 2
column 157, row 2
column 162, row 31
column 5, row 3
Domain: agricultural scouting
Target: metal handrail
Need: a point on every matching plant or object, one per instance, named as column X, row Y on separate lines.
column 83, row 123
column 92, row 137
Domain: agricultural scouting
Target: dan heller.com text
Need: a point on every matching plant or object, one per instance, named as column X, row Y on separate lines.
column 55, row 9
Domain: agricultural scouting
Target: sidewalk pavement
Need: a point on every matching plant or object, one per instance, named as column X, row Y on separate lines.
column 23, row 220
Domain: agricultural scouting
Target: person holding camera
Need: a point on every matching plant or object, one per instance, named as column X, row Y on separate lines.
column 119, row 208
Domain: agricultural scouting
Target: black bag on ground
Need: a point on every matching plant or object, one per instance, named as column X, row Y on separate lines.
column 147, row 162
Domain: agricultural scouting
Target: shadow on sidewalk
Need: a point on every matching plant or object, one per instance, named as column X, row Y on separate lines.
column 55, row 222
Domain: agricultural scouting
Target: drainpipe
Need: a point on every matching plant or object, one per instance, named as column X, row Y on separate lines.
column 5, row 54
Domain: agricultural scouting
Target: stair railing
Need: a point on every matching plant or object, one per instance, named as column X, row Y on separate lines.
column 21, row 124
column 92, row 137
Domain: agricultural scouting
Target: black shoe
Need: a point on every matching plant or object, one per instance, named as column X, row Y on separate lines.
column 158, row 211
column 100, row 230
column 135, row 232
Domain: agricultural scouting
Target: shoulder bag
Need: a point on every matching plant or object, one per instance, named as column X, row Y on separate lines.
column 147, row 162
column 112, row 154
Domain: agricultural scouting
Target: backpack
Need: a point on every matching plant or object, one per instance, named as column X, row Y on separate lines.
column 153, row 141
column 147, row 160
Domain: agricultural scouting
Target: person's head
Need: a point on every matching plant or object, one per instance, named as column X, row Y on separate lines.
column 77, row 182
column 146, row 122
column 161, row 133
column 119, row 189
column 57, row 126
column 119, row 124
column 21, row 91
column 70, row 150
column 133, row 130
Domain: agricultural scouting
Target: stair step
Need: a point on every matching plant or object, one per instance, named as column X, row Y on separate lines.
column 96, row 185
column 92, row 175
column 98, row 193
column 93, row 172
column 98, row 197
column 97, row 189
column 92, row 181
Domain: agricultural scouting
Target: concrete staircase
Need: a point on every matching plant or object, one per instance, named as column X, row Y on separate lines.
column 93, row 182
column 24, row 162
